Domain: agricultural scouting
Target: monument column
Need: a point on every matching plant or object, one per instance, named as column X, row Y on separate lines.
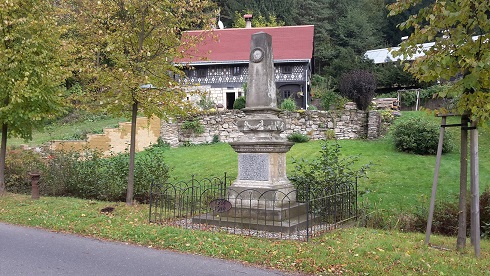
column 261, row 150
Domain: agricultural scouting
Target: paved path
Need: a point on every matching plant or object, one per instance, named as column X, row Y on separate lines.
column 29, row 251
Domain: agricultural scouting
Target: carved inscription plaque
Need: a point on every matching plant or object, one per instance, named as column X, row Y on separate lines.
column 253, row 166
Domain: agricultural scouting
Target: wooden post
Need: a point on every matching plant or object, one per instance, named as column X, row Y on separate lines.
column 417, row 102
column 475, row 191
column 463, row 180
column 434, row 183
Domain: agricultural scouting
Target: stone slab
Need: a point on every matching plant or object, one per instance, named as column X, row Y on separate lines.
column 253, row 166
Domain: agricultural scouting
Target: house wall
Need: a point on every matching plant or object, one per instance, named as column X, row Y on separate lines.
column 220, row 76
column 220, row 80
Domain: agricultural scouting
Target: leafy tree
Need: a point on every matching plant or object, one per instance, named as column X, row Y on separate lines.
column 392, row 34
column 281, row 10
column 343, row 32
column 33, row 69
column 460, row 30
column 257, row 21
column 126, row 56
column 391, row 74
column 359, row 86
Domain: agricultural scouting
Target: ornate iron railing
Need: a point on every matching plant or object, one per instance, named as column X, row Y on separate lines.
column 212, row 204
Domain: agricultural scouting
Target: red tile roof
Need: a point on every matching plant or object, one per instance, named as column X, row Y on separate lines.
column 233, row 45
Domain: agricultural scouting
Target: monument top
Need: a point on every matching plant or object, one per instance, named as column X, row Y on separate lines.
column 261, row 85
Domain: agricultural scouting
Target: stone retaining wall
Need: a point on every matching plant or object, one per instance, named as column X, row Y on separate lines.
column 344, row 124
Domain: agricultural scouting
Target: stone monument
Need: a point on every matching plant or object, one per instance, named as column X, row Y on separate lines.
column 261, row 197
column 261, row 150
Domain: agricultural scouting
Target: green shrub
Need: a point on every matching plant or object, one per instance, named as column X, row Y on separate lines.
column 419, row 136
column 330, row 168
column 332, row 100
column 330, row 134
column 298, row 138
column 312, row 107
column 288, row 104
column 194, row 127
column 18, row 164
column 445, row 217
column 359, row 86
column 239, row 103
column 206, row 103
column 92, row 177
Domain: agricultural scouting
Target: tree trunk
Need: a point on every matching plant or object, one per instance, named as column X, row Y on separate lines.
column 3, row 152
column 132, row 150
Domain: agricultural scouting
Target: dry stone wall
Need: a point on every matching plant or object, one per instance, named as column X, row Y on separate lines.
column 349, row 123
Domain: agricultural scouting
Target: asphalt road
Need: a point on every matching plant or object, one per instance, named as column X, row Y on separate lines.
column 30, row 251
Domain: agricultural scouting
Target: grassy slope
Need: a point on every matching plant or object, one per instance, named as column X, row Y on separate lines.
column 60, row 132
column 397, row 181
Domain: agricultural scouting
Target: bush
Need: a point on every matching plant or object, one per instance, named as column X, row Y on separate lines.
column 330, row 169
column 92, row 177
column 206, row 103
column 239, row 103
column 194, row 127
column 18, row 164
column 298, row 138
column 288, row 104
column 445, row 217
column 359, row 86
column 419, row 136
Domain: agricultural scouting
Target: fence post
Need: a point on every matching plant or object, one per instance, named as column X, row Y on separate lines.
column 307, row 211
column 355, row 192
column 192, row 196
column 151, row 199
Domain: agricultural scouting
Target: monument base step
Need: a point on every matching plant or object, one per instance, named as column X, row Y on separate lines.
column 265, row 212
column 290, row 225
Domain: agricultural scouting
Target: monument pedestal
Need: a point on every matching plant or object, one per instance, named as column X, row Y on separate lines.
column 262, row 197
column 262, row 176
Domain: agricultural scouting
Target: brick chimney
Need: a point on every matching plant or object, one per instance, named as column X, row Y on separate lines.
column 248, row 20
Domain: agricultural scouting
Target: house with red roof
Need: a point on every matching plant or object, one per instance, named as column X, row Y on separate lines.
column 219, row 63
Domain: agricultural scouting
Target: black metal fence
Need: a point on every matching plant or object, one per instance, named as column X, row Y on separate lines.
column 211, row 204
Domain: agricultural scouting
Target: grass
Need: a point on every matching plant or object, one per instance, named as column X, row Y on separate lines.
column 397, row 182
column 348, row 251
column 67, row 131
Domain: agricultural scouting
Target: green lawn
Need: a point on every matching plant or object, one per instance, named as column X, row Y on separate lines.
column 397, row 182
column 58, row 131
column 351, row 251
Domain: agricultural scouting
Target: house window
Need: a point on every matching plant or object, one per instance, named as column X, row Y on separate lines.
column 237, row 71
column 201, row 72
column 287, row 69
column 286, row 94
column 189, row 73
